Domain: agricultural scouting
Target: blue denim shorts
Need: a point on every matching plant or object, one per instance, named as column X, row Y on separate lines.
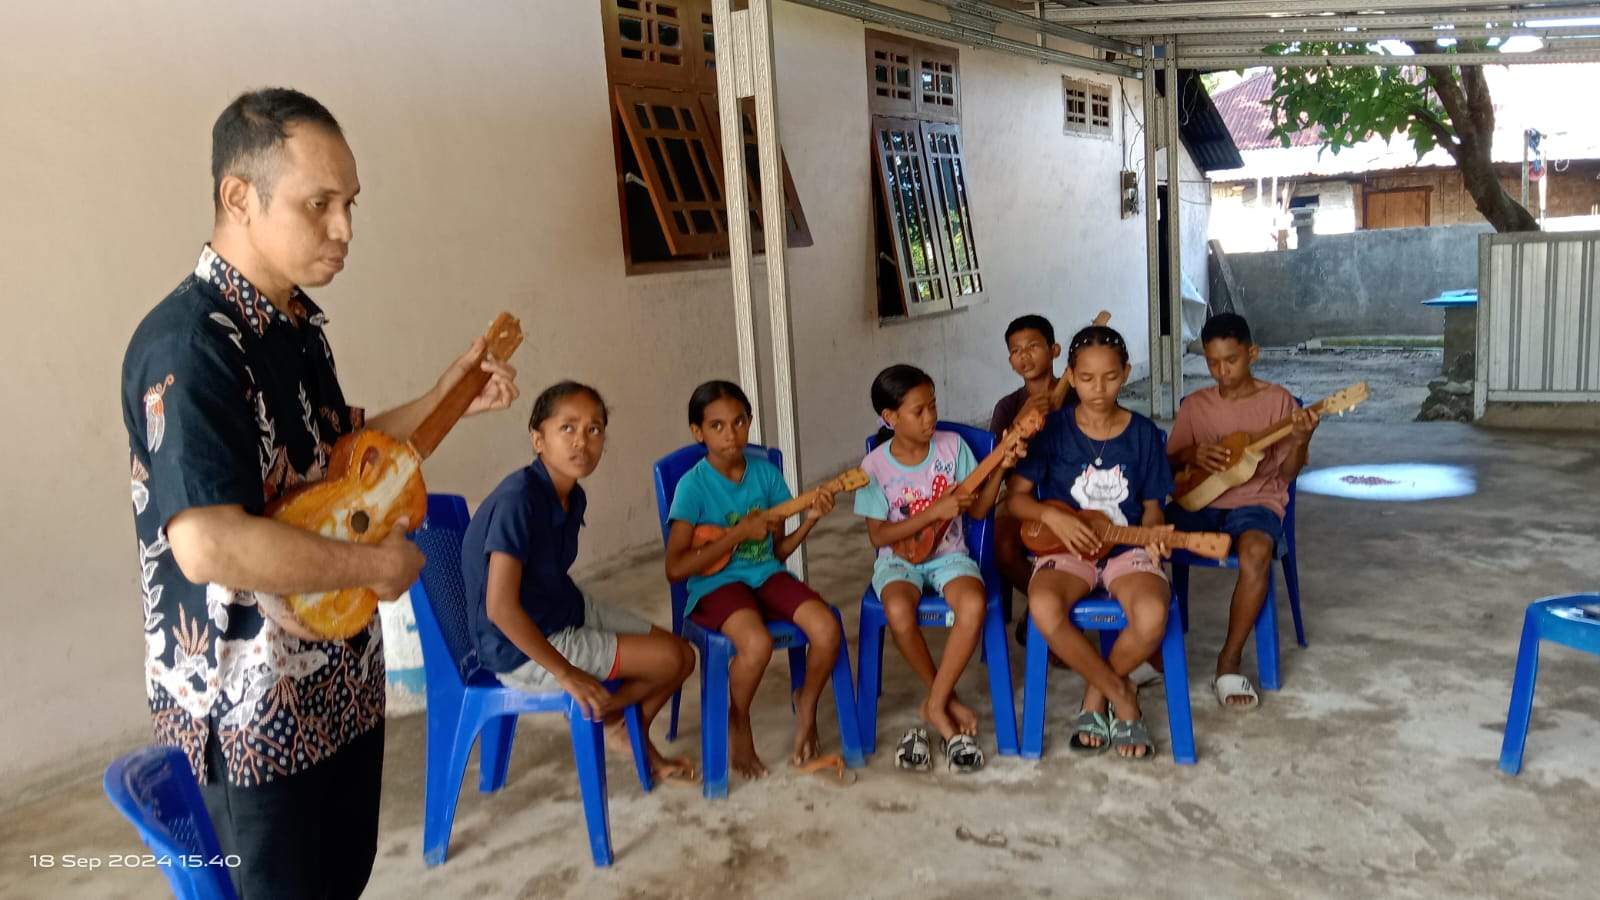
column 1234, row 522
column 934, row 573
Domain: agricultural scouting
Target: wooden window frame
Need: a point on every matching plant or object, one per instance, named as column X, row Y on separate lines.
column 933, row 175
column 690, row 82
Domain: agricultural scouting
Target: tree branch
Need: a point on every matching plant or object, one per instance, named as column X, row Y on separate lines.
column 1441, row 132
column 1479, row 103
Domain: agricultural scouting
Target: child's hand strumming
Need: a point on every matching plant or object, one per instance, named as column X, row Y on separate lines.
column 1211, row 457
column 950, row 505
column 755, row 526
column 1073, row 532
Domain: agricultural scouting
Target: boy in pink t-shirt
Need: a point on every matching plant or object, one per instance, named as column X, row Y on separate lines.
column 1252, row 512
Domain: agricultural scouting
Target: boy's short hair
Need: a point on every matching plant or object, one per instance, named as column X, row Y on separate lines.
column 1036, row 322
column 1226, row 325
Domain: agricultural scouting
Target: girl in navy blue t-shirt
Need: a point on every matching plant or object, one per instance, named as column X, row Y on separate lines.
column 1098, row 456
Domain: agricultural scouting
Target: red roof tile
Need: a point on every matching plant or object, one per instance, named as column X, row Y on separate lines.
column 1241, row 107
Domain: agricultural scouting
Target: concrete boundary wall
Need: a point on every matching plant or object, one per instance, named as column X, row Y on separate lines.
column 1363, row 283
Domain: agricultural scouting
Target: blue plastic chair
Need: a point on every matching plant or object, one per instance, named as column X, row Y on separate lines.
column 1267, row 621
column 934, row 612
column 461, row 708
column 717, row 651
column 1101, row 613
column 156, row 791
column 1555, row 619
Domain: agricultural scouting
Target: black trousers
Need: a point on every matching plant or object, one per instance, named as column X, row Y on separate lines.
column 313, row 834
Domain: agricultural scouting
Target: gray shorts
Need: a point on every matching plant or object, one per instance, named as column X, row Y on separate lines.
column 591, row 647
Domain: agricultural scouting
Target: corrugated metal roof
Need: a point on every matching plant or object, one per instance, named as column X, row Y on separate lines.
column 1248, row 119
column 1201, row 126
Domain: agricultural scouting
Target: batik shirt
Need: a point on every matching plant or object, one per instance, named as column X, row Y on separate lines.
column 229, row 401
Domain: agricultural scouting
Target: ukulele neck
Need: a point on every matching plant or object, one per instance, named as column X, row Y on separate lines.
column 1134, row 536
column 449, row 411
column 1279, row 431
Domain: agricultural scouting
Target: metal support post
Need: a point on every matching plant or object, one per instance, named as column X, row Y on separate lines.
column 1152, row 246
column 1174, row 347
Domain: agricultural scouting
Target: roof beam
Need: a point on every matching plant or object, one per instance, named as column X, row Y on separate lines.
column 1247, row 60
column 894, row 18
column 1376, row 20
column 1257, row 39
column 1022, row 20
column 1192, row 9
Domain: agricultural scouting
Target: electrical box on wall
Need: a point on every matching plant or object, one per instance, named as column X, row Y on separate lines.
column 1128, row 193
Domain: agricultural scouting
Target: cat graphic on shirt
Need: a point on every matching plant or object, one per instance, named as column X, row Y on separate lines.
column 1104, row 490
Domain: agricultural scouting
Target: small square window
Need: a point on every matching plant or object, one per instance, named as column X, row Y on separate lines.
column 1087, row 108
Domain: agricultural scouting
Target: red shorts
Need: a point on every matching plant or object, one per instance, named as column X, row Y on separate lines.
column 775, row 600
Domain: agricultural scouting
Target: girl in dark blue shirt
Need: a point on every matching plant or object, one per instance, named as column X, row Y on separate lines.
column 1098, row 456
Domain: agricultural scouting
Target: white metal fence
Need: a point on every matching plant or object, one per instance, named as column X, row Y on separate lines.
column 1538, row 318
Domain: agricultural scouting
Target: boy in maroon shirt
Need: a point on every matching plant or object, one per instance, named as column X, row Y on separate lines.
column 1252, row 512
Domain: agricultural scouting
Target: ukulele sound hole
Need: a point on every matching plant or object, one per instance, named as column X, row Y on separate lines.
column 359, row 522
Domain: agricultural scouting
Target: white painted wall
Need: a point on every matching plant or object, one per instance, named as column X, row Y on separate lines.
column 483, row 137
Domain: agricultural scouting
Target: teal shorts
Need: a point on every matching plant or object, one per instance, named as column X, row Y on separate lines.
column 934, row 573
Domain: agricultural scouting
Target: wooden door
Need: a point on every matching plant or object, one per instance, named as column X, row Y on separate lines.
column 1400, row 208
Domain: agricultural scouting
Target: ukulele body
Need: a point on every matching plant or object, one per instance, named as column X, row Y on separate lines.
column 917, row 548
column 1038, row 537
column 373, row 481
column 707, row 534
column 1196, row 488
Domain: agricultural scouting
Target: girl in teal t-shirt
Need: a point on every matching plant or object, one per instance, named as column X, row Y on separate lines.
column 732, row 490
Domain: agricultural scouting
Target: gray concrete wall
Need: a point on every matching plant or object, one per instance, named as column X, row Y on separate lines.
column 1363, row 283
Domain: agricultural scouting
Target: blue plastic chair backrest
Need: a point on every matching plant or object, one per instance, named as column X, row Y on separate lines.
column 440, row 606
column 668, row 471
column 979, row 532
column 155, row 789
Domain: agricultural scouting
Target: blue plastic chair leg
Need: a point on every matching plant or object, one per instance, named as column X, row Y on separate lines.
column 636, row 737
column 1267, row 638
column 677, row 695
column 714, row 663
column 869, row 683
column 797, row 671
column 448, row 728
column 1108, row 639
column 1522, row 686
column 844, row 698
column 1291, row 583
column 1180, row 588
column 494, row 752
column 1180, row 719
column 1035, row 683
column 589, row 751
column 1000, row 688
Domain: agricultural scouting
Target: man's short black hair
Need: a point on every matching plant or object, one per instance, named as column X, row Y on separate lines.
column 248, row 137
column 1035, row 322
column 1226, row 325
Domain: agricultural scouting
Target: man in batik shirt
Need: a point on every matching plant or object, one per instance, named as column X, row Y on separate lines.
column 230, row 399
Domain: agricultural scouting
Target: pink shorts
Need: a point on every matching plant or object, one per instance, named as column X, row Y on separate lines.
column 1104, row 573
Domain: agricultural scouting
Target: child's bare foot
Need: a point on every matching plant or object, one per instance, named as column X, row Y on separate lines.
column 742, row 747
column 805, row 732
column 939, row 718
column 966, row 719
column 671, row 768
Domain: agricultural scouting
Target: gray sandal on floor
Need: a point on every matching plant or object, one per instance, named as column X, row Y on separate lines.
column 1094, row 725
column 913, row 752
column 1132, row 733
column 962, row 754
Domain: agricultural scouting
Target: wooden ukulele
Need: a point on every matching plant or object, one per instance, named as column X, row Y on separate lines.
column 373, row 480
column 918, row 547
column 1196, row 488
column 848, row 480
column 1038, row 537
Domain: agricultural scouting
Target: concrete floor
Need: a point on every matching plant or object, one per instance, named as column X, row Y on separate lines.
column 1372, row 773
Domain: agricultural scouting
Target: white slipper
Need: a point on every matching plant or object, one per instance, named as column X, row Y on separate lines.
column 1145, row 674
column 1230, row 686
